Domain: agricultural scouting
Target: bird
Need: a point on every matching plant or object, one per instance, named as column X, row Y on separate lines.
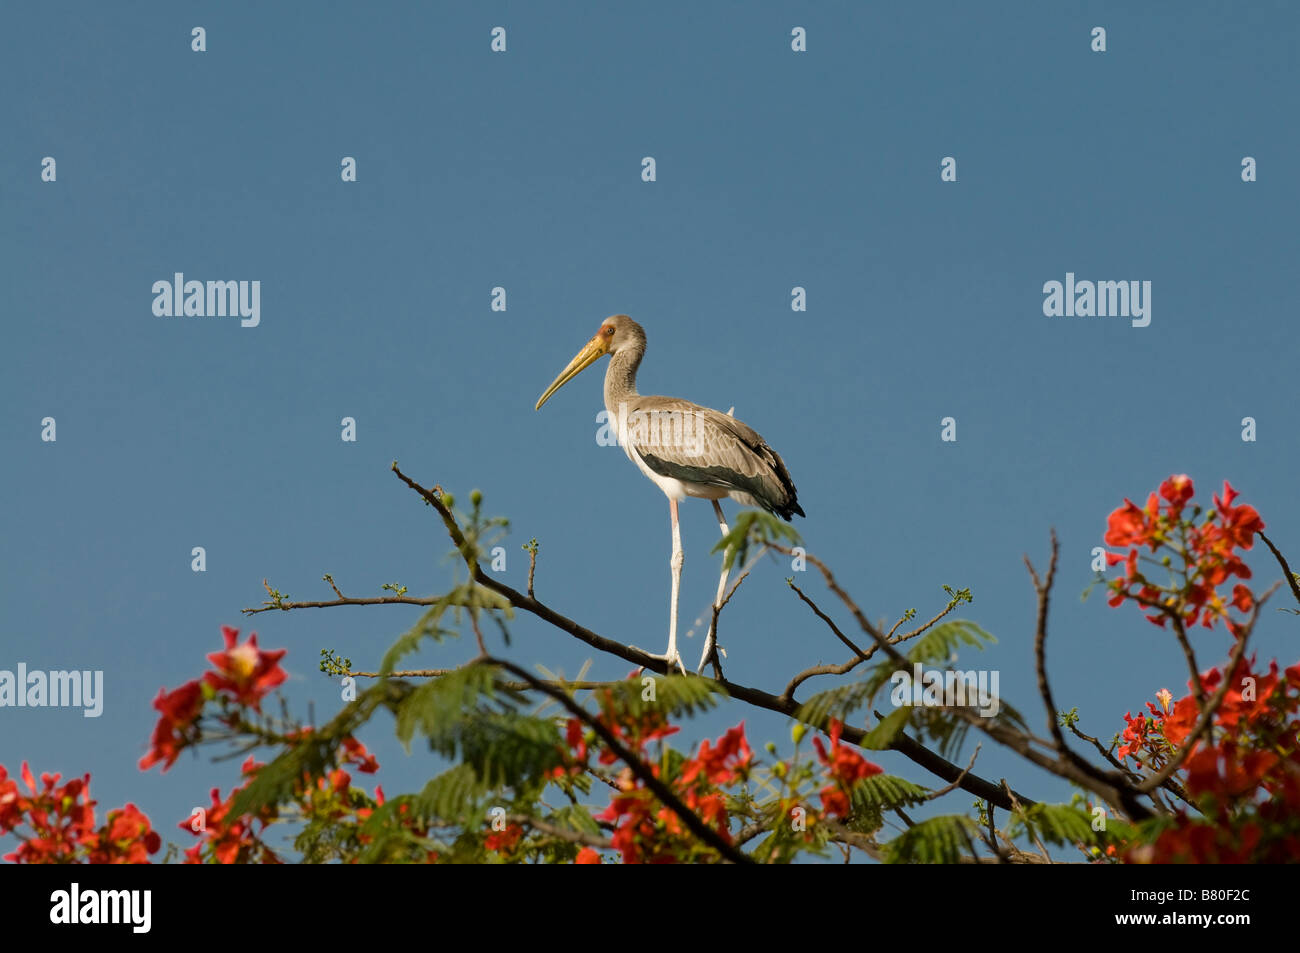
column 684, row 449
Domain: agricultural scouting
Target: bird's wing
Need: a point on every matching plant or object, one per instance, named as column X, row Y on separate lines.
column 682, row 440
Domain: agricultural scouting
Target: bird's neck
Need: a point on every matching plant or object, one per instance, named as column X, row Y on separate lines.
column 620, row 380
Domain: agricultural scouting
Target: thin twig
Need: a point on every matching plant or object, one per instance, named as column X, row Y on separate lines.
column 933, row 795
column 834, row 587
column 473, row 621
column 1286, row 570
column 560, row 833
column 713, row 625
column 1021, row 811
column 578, row 686
column 1180, row 633
column 827, row 619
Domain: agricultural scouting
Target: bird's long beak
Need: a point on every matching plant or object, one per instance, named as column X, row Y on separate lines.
column 597, row 347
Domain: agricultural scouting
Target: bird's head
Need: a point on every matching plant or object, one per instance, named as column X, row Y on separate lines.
column 617, row 333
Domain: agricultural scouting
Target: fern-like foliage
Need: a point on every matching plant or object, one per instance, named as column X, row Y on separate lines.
column 435, row 707
column 509, row 748
column 938, row 840
column 451, row 794
column 673, row 695
column 1062, row 824
column 872, row 797
column 838, row 702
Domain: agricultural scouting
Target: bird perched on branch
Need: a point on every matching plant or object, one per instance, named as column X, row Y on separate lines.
column 685, row 449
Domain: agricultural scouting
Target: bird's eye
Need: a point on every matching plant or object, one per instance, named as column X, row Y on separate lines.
column 609, row 332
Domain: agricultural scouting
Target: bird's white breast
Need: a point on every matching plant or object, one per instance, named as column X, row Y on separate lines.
column 673, row 488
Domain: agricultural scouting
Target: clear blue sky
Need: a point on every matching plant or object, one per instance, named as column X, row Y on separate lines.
column 775, row 170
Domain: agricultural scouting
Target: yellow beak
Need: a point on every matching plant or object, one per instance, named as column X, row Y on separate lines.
column 595, row 348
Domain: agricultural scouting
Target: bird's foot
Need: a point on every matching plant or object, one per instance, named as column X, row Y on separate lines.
column 712, row 653
column 673, row 659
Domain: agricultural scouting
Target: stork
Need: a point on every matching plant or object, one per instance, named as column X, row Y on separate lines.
column 685, row 449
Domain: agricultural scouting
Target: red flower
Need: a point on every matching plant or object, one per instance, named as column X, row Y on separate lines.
column 61, row 818
column 575, row 737
column 244, row 670
column 587, row 856
column 1177, row 490
column 173, row 733
column 357, row 756
column 847, row 767
column 126, row 838
column 835, row 801
column 1181, row 721
column 12, row 804
column 1126, row 526
column 505, row 840
column 1220, row 772
column 1209, row 556
column 1240, row 523
column 846, row 764
column 230, row 839
column 720, row 765
column 1135, row 735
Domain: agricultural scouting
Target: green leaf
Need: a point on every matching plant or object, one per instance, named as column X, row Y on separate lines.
column 753, row 528
column 882, row 735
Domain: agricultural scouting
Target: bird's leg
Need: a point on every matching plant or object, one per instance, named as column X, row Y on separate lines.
column 672, row 656
column 710, row 646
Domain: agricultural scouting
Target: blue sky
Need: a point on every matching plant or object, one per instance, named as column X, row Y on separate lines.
column 775, row 169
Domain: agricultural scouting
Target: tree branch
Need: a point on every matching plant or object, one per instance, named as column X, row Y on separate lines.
column 1286, row 570
column 665, row 795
